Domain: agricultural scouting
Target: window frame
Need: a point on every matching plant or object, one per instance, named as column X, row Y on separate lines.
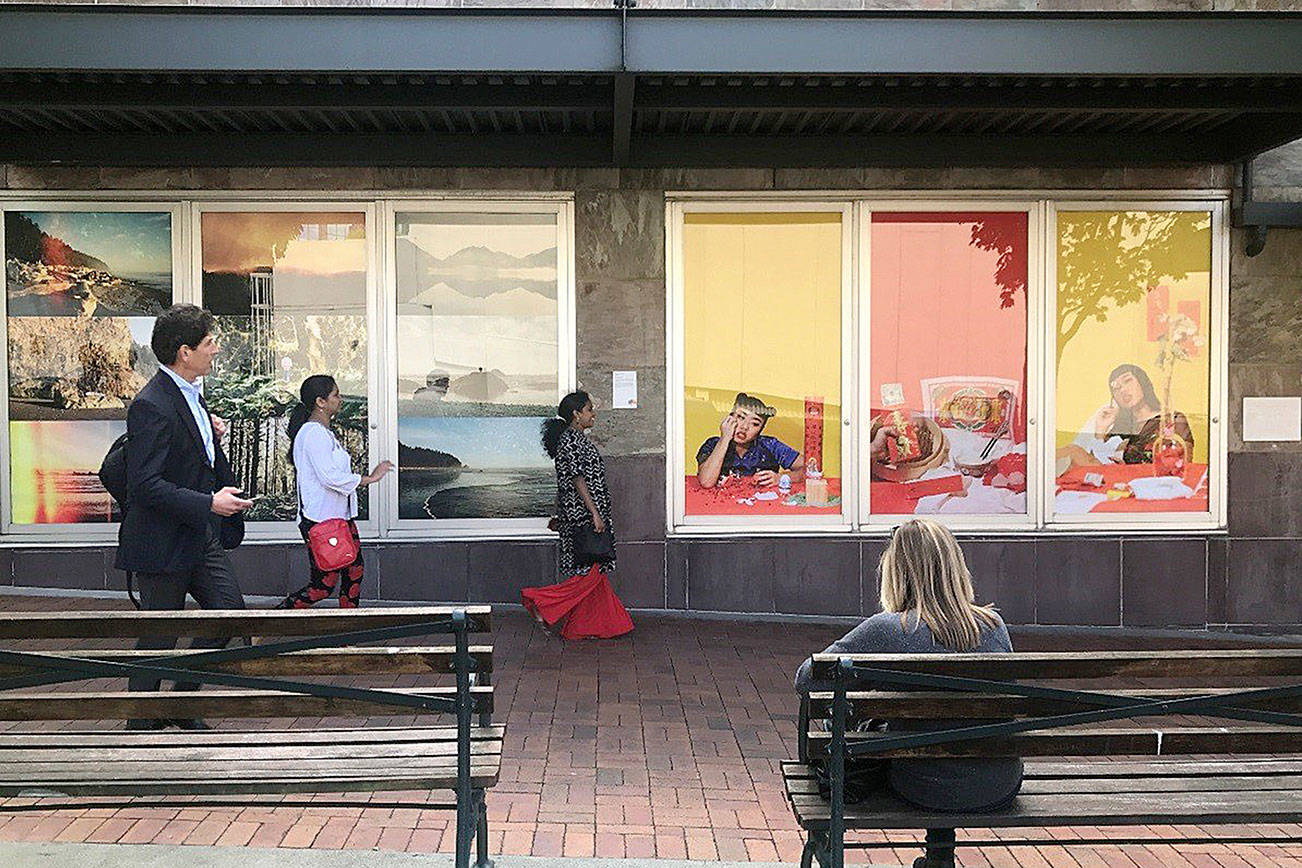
column 100, row 533
column 567, row 352
column 278, row 531
column 1034, row 210
column 186, row 208
column 1042, row 207
column 1217, row 398
column 675, row 426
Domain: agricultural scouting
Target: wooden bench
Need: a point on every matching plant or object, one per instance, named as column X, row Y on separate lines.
column 1124, row 745
column 284, row 675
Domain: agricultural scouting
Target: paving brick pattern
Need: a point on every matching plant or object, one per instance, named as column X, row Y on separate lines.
column 664, row 744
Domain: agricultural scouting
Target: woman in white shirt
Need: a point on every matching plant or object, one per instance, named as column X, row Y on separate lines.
column 327, row 487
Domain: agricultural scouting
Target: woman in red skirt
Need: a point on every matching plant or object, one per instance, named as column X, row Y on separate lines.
column 584, row 600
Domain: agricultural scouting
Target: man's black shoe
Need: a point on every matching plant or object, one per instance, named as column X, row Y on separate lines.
column 147, row 723
column 194, row 723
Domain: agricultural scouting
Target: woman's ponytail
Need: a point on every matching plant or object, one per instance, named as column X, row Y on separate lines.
column 553, row 428
column 315, row 386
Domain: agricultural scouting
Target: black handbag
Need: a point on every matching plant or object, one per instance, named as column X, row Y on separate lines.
column 591, row 547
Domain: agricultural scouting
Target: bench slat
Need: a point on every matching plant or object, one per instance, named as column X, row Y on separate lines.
column 90, row 705
column 225, row 622
column 1038, row 787
column 1098, row 742
column 352, row 660
column 482, row 775
column 1200, row 664
column 63, row 740
column 316, row 750
column 1122, row 770
column 939, row 704
column 1119, row 809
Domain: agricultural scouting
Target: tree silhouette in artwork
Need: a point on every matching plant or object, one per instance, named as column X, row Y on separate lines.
column 1112, row 259
column 1005, row 234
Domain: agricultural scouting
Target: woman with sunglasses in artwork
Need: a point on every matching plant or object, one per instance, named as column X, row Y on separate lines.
column 928, row 607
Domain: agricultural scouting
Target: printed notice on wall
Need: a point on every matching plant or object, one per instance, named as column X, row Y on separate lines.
column 1278, row 419
column 623, row 390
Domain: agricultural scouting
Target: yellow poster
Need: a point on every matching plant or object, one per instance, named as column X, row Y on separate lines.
column 1133, row 364
column 762, row 363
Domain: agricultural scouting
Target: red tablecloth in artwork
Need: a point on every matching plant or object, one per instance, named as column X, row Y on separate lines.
column 1195, row 476
column 722, row 499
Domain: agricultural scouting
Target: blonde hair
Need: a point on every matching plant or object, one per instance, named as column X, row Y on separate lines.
column 923, row 572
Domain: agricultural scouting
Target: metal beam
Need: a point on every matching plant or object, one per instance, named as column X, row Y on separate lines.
column 231, row 40
column 998, row 44
column 922, row 150
column 428, row 149
column 305, row 149
column 623, row 129
column 328, row 92
column 305, row 40
column 792, row 93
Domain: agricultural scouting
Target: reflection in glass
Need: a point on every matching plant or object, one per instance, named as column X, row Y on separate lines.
column 478, row 363
column 1134, row 294
column 948, row 363
column 289, row 292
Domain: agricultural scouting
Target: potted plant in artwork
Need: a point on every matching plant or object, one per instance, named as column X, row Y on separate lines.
column 1179, row 343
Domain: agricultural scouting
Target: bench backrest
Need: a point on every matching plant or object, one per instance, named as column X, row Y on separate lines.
column 1099, row 703
column 281, row 676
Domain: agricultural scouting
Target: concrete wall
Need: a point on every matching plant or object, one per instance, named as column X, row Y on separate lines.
column 1246, row 579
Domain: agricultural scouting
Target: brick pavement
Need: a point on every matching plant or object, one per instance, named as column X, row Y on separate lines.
column 664, row 744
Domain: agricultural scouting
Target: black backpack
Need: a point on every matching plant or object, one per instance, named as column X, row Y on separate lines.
column 113, row 471
column 113, row 476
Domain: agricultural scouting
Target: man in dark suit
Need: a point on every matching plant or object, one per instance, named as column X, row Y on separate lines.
column 180, row 490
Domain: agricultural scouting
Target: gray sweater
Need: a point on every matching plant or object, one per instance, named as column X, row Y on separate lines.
column 936, row 784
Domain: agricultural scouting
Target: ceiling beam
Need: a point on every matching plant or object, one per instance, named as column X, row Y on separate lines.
column 305, row 149
column 658, row 41
column 623, row 129
column 328, row 93
column 427, row 149
column 1045, row 95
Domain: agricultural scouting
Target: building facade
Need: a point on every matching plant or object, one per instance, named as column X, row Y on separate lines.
column 1004, row 310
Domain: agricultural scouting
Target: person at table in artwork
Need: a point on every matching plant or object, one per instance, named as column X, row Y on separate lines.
column 1124, row 430
column 743, row 449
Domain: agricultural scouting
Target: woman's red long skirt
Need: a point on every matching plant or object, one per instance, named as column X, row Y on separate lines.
column 586, row 603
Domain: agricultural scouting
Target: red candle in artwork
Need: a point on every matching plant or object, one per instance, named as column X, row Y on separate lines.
column 814, row 432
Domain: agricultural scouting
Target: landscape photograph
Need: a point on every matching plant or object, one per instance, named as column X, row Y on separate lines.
column 88, row 263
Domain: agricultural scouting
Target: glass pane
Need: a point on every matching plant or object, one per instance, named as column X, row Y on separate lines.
column 478, row 363
column 82, row 289
column 762, row 364
column 1134, row 377
column 948, row 363
column 289, row 293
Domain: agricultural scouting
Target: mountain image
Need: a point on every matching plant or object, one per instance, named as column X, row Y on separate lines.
column 443, row 300
column 48, row 271
column 475, row 271
column 24, row 240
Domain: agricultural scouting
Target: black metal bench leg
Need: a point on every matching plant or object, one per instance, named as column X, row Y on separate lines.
column 940, row 850
column 481, row 829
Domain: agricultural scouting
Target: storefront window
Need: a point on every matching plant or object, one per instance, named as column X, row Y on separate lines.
column 1133, row 364
column 948, row 363
column 479, row 326
column 762, row 364
column 82, row 288
column 289, row 290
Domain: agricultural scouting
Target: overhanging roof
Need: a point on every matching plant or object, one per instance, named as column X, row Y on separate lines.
column 312, row 87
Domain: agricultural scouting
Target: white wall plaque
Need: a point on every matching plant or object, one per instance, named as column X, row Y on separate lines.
column 1277, row 419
